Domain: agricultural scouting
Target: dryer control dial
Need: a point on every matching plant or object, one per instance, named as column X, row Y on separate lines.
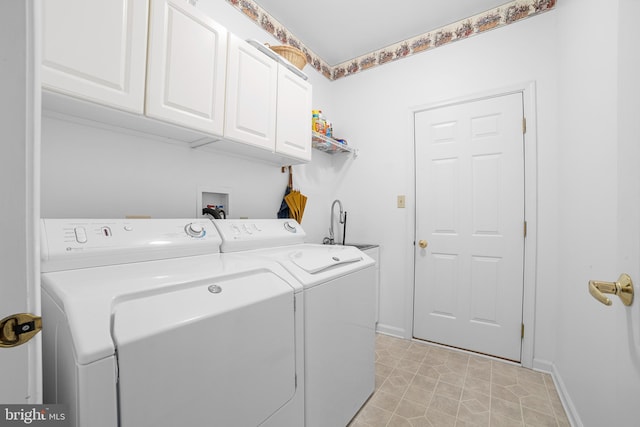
column 195, row 230
column 290, row 226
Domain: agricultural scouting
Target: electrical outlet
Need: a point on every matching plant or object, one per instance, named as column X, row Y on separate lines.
column 401, row 201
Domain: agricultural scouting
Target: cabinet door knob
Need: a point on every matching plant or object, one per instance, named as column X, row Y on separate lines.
column 423, row 244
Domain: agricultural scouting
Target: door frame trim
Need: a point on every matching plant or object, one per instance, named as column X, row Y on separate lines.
column 528, row 91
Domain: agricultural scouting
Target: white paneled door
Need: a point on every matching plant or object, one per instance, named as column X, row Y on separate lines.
column 470, row 220
column 21, row 375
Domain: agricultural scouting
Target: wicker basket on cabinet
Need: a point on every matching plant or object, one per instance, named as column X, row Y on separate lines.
column 291, row 54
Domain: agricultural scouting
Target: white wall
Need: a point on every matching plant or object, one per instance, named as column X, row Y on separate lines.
column 627, row 320
column 374, row 110
column 588, row 133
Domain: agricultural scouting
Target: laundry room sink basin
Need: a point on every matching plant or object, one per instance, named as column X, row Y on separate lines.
column 361, row 246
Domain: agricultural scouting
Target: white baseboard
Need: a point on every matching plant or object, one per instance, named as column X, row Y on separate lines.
column 542, row 366
column 569, row 407
column 567, row 403
column 393, row 331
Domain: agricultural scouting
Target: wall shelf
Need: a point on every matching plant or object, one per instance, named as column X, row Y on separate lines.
column 330, row 145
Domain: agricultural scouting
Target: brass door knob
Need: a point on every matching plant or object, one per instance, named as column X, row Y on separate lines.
column 623, row 288
column 19, row 328
column 423, row 244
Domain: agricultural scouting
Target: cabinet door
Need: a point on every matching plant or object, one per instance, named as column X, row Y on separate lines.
column 252, row 79
column 186, row 66
column 96, row 50
column 293, row 123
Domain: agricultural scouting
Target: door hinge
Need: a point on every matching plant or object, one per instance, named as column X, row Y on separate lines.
column 524, row 125
column 525, row 229
column 522, row 331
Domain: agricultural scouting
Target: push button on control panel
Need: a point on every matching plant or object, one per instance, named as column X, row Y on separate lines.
column 81, row 234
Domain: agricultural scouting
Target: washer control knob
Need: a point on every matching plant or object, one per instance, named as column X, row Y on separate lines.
column 290, row 226
column 195, row 230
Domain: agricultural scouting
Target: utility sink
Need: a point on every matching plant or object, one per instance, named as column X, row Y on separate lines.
column 361, row 246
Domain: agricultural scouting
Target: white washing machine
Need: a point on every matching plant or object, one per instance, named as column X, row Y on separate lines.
column 147, row 324
column 339, row 312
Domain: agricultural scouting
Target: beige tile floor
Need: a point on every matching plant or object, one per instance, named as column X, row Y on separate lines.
column 422, row 385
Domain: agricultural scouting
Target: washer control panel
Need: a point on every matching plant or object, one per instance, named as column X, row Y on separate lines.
column 246, row 234
column 93, row 242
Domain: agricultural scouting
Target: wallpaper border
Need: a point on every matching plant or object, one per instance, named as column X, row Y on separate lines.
column 506, row 14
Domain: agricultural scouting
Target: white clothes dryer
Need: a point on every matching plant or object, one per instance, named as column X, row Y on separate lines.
column 147, row 324
column 339, row 312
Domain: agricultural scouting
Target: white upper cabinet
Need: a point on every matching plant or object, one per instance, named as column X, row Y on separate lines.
column 182, row 75
column 186, row 67
column 252, row 83
column 267, row 105
column 96, row 50
column 293, row 124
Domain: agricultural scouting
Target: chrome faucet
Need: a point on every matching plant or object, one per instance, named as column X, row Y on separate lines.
column 331, row 239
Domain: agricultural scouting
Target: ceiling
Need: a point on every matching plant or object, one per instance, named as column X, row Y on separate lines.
column 340, row 30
